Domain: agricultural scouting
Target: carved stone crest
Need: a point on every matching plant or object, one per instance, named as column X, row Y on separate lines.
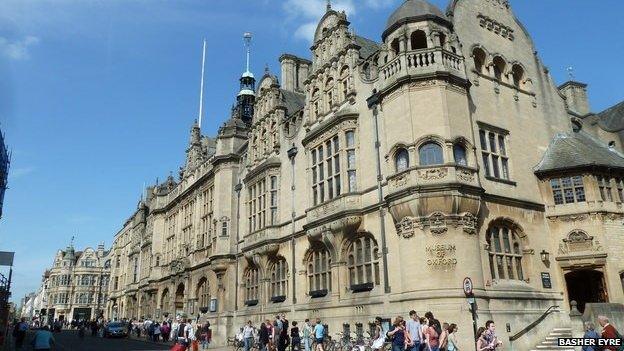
column 465, row 175
column 469, row 222
column 437, row 223
column 432, row 173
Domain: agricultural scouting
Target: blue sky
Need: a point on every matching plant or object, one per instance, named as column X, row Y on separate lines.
column 97, row 97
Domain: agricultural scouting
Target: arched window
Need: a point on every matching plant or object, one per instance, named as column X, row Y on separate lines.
column 459, row 154
column 203, row 293
column 518, row 75
column 499, row 67
column 251, row 285
column 329, row 92
column 430, row 154
column 418, row 40
column 319, row 271
column 363, row 262
column 279, row 279
column 401, row 160
column 395, row 45
column 505, row 253
column 344, row 81
column 479, row 59
column 165, row 301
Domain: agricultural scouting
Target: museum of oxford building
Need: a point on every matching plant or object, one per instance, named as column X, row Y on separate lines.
column 374, row 178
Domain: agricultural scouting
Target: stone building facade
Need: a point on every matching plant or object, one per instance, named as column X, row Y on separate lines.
column 373, row 178
column 76, row 285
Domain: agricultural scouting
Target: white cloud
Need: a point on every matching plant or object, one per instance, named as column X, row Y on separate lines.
column 309, row 12
column 17, row 49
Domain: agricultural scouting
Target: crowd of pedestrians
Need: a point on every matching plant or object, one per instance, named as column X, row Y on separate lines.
column 182, row 332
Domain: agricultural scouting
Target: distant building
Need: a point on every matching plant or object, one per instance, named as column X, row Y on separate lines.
column 77, row 284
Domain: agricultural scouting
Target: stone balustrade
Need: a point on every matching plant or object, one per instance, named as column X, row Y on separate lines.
column 430, row 175
column 421, row 62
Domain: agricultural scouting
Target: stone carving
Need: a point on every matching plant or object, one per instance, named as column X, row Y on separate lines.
column 465, row 175
column 179, row 265
column 578, row 241
column 469, row 222
column 437, row 223
column 399, row 181
column 432, row 173
column 495, row 27
column 405, row 227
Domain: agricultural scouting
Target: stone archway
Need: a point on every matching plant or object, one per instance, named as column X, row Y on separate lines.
column 585, row 286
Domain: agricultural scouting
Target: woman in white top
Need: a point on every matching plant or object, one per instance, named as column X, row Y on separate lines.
column 452, row 338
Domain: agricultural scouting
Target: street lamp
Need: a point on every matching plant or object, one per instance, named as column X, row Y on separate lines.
column 545, row 255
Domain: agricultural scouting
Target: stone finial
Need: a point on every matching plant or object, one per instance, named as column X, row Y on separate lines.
column 574, row 312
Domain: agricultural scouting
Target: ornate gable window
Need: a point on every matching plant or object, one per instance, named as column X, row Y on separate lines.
column 363, row 263
column 568, row 190
column 505, row 253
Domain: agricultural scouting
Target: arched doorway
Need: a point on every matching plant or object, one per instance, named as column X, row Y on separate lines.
column 584, row 286
column 164, row 302
column 179, row 299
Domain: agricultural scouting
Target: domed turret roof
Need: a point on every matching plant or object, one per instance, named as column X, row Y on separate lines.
column 414, row 9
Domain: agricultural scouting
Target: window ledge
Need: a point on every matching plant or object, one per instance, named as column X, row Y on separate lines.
column 318, row 293
column 277, row 299
column 501, row 180
column 356, row 288
column 251, row 302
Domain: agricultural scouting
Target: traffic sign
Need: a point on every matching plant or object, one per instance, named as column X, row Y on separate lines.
column 467, row 285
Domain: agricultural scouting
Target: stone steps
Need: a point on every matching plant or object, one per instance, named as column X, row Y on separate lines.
column 550, row 342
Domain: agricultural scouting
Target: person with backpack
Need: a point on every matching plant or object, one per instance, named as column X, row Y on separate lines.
column 319, row 335
column 43, row 339
column 399, row 335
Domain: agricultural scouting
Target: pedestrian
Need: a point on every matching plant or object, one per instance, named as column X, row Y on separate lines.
column 379, row 337
column 319, row 335
column 284, row 337
column 307, row 335
column 431, row 335
column 156, row 332
column 248, row 335
column 415, row 331
column 590, row 333
column 164, row 331
column 207, row 335
column 43, row 339
column 19, row 332
column 398, row 335
column 263, row 336
column 608, row 332
column 490, row 336
column 452, row 338
column 295, row 338
column 444, row 337
column 482, row 344
column 277, row 332
column 271, row 331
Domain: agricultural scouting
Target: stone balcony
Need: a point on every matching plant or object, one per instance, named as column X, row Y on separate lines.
column 262, row 236
column 424, row 62
column 432, row 175
column 343, row 204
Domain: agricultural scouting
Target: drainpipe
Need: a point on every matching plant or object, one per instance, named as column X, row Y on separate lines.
column 238, row 189
column 292, row 152
column 373, row 103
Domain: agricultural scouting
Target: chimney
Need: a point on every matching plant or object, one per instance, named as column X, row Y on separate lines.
column 288, row 71
column 576, row 97
column 295, row 71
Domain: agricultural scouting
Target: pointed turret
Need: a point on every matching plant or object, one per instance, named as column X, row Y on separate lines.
column 247, row 94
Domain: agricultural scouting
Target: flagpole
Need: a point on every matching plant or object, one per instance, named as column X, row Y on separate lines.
column 201, row 88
